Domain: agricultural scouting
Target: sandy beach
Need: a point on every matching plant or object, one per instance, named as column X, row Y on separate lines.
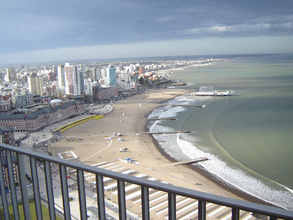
column 93, row 145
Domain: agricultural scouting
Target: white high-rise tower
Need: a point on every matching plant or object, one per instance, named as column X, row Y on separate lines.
column 74, row 82
column 35, row 84
column 61, row 77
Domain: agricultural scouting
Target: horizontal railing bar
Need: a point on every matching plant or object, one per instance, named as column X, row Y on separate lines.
column 243, row 205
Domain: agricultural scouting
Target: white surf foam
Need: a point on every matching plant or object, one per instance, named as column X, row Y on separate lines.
column 188, row 148
column 166, row 111
column 238, row 178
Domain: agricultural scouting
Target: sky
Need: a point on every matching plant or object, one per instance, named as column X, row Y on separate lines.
column 39, row 31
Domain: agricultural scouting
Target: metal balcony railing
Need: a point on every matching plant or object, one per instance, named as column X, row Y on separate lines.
column 27, row 176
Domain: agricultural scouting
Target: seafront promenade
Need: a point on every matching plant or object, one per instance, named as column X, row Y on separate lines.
column 48, row 134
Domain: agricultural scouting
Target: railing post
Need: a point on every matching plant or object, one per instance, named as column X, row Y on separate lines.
column 12, row 186
column 81, row 194
column 235, row 213
column 100, row 196
column 36, row 188
column 145, row 203
column 49, row 186
column 23, row 186
column 65, row 197
column 121, row 200
column 172, row 205
column 3, row 194
column 201, row 210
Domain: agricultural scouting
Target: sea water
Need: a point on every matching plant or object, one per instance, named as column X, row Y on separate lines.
column 247, row 138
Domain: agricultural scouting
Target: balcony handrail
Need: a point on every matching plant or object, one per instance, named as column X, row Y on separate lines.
column 220, row 200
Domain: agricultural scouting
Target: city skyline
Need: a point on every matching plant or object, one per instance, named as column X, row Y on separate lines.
column 51, row 31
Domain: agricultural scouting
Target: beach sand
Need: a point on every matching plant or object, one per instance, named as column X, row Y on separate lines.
column 129, row 119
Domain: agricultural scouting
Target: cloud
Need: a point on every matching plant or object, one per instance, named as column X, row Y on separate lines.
column 220, row 28
column 206, row 46
column 210, row 30
column 270, row 26
column 40, row 25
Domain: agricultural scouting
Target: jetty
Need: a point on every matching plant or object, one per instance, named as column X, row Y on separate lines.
column 157, row 119
column 186, row 105
column 168, row 132
column 187, row 162
column 196, row 160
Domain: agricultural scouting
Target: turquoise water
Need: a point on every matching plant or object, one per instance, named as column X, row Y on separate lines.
column 250, row 135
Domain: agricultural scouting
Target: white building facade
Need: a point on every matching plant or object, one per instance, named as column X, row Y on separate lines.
column 108, row 77
column 74, row 81
column 34, row 84
column 61, row 77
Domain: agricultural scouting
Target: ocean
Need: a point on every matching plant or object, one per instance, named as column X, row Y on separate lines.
column 248, row 138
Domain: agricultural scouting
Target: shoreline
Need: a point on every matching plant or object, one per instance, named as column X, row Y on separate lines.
column 212, row 177
column 206, row 173
column 142, row 148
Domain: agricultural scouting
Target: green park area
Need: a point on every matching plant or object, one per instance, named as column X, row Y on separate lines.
column 45, row 212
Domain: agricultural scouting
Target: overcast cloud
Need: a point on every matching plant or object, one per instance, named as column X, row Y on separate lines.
column 31, row 26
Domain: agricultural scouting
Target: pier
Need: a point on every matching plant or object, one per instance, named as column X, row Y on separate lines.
column 168, row 132
column 197, row 160
column 157, row 119
column 194, row 106
column 187, row 162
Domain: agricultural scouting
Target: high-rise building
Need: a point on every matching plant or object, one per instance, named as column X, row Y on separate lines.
column 108, row 77
column 68, row 76
column 111, row 75
column 10, row 75
column 97, row 74
column 79, row 83
column 35, row 84
column 50, row 90
column 61, row 77
column 74, row 81
column 52, row 76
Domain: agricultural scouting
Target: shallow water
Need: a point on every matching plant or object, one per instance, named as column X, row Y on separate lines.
column 248, row 136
